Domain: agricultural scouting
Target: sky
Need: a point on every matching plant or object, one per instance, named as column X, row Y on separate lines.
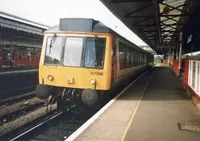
column 49, row 12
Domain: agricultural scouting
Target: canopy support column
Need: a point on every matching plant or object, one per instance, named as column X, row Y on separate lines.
column 180, row 55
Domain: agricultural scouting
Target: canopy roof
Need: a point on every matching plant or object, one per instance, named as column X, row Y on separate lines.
column 157, row 22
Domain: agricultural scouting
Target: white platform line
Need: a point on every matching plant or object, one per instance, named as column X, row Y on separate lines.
column 80, row 130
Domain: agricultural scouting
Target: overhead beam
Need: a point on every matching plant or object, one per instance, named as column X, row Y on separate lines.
column 141, row 25
column 149, row 34
column 174, row 8
column 162, row 27
column 161, row 15
column 177, row 15
column 141, row 21
column 172, row 31
column 149, row 30
column 157, row 18
column 152, row 39
column 169, row 18
column 127, row 1
column 144, row 27
column 162, row 24
column 176, row 24
column 137, row 10
column 161, row 31
column 149, row 37
column 144, row 16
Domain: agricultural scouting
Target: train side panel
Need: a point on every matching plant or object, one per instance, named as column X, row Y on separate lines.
column 123, row 71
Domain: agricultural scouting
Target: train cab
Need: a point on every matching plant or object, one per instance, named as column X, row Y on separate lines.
column 76, row 54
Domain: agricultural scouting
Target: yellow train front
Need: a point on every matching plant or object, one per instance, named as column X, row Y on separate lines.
column 81, row 59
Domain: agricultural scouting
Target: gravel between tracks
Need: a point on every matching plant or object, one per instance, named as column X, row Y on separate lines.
column 23, row 120
column 16, row 106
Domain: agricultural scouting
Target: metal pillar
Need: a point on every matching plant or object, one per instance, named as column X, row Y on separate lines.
column 170, row 58
column 177, row 47
column 172, row 55
column 180, row 55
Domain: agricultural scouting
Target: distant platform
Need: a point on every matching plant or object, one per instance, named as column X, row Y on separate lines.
column 20, row 71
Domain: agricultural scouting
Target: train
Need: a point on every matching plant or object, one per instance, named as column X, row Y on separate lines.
column 82, row 59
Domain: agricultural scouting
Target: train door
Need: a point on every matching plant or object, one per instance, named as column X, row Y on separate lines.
column 114, row 58
column 1, row 52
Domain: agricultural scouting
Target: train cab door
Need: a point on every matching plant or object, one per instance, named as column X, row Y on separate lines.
column 114, row 59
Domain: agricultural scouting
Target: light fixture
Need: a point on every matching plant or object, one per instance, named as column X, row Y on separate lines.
column 166, row 10
column 50, row 77
column 93, row 81
column 70, row 80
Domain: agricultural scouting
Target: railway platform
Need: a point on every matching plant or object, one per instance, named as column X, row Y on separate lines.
column 11, row 72
column 155, row 107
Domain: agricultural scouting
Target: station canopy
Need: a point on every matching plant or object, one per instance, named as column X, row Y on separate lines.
column 157, row 22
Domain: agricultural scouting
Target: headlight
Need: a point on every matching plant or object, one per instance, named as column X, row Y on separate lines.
column 50, row 77
column 93, row 81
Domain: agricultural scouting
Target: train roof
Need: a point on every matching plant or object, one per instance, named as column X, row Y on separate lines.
column 80, row 25
column 84, row 25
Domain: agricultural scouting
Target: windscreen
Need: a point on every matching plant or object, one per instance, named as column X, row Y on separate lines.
column 85, row 52
column 53, row 51
column 94, row 52
column 73, row 51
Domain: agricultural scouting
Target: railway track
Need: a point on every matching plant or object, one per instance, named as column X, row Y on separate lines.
column 17, row 98
column 25, row 119
column 55, row 125
column 18, row 112
column 21, row 117
column 14, row 108
column 29, row 127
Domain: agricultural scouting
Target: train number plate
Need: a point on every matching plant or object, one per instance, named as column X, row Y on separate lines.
column 97, row 73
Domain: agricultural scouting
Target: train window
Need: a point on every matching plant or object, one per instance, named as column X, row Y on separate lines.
column 94, row 52
column 122, row 56
column 53, row 51
column 132, row 56
column 140, row 58
column 136, row 58
column 128, row 57
column 73, row 51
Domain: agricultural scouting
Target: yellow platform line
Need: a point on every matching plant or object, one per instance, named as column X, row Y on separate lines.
column 134, row 112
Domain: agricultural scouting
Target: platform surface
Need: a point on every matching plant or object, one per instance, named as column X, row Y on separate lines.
column 149, row 110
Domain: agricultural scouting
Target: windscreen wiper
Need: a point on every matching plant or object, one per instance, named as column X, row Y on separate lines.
column 52, row 42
